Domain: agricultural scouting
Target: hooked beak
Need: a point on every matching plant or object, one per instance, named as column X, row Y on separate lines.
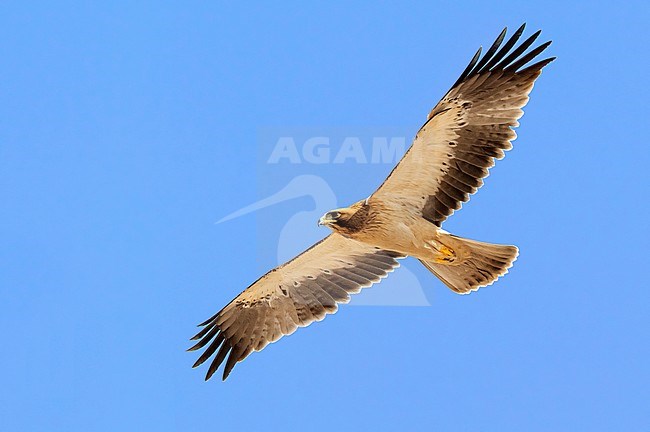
column 325, row 220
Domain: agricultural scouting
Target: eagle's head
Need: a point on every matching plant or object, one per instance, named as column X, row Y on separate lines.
column 347, row 220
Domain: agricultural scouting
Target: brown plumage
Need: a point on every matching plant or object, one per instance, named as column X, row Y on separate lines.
column 465, row 132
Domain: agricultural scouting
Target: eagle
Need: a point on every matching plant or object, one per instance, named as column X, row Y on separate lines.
column 451, row 154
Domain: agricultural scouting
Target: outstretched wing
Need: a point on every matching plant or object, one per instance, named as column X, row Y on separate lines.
column 469, row 128
column 293, row 295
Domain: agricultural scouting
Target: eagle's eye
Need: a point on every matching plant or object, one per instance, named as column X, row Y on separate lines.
column 334, row 215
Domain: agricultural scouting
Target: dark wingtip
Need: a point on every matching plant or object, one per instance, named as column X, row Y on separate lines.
column 522, row 61
column 518, row 51
column 206, row 355
column 226, row 374
column 221, row 355
column 194, row 347
column 234, row 357
column 505, row 56
column 209, row 373
column 202, row 333
column 539, row 65
column 490, row 53
column 469, row 68
column 216, row 343
column 208, row 321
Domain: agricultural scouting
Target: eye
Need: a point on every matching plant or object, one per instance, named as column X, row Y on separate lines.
column 335, row 215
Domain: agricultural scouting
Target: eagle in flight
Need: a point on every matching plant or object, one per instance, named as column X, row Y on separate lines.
column 466, row 131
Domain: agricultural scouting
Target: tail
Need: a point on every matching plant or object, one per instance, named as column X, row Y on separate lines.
column 476, row 264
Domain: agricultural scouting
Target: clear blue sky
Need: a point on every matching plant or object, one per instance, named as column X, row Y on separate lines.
column 127, row 131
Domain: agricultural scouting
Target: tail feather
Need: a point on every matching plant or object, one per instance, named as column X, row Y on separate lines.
column 478, row 264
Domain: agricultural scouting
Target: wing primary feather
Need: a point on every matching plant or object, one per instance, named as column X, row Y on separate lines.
column 206, row 339
column 223, row 351
column 233, row 358
column 518, row 51
column 200, row 334
column 539, row 65
column 490, row 52
column 528, row 57
column 209, row 351
column 469, row 68
column 504, row 49
column 209, row 320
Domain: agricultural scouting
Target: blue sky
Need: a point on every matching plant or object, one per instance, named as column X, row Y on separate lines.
column 127, row 130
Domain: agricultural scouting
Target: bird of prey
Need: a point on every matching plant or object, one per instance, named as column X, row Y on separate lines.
column 450, row 156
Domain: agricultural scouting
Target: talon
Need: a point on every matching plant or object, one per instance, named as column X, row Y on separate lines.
column 447, row 251
column 447, row 255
